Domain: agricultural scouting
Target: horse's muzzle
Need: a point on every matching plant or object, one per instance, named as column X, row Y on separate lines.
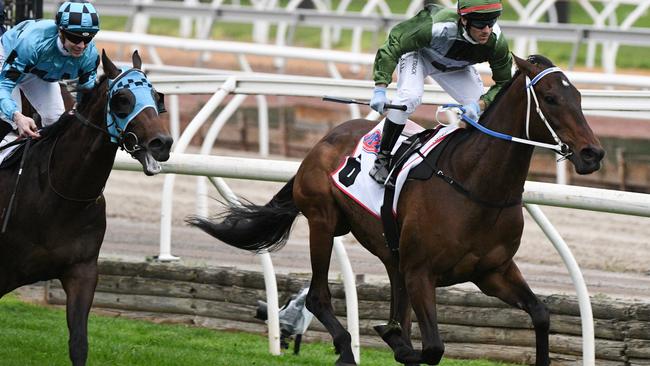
column 588, row 159
column 160, row 146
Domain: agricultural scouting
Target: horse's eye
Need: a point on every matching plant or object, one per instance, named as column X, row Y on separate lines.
column 550, row 100
column 122, row 103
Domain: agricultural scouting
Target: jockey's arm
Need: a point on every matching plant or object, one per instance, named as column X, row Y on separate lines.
column 12, row 72
column 9, row 77
column 409, row 35
column 501, row 65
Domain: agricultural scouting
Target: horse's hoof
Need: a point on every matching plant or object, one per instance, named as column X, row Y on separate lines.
column 407, row 356
column 432, row 356
column 386, row 331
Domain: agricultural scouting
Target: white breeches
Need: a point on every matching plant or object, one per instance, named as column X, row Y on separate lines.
column 44, row 96
column 464, row 85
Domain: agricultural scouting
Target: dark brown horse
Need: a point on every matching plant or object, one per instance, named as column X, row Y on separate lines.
column 446, row 237
column 58, row 220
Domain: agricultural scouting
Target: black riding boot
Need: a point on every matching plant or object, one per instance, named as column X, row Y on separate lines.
column 389, row 136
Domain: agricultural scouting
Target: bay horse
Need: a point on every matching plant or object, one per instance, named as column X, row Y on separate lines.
column 58, row 221
column 446, row 237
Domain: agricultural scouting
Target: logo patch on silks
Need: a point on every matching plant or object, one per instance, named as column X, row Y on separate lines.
column 370, row 142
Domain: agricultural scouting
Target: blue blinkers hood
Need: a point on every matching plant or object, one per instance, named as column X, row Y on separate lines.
column 141, row 95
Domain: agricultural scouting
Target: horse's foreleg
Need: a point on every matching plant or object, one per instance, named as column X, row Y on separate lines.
column 319, row 297
column 79, row 283
column 422, row 292
column 509, row 285
column 397, row 333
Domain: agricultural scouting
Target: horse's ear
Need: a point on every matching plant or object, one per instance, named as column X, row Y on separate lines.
column 523, row 65
column 110, row 69
column 137, row 61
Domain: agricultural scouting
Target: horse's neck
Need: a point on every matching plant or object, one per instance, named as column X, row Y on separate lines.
column 88, row 153
column 492, row 168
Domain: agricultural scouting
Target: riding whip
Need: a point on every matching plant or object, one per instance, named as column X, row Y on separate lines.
column 354, row 101
column 13, row 194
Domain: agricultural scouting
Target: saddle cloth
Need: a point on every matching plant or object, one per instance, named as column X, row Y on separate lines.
column 5, row 154
column 352, row 177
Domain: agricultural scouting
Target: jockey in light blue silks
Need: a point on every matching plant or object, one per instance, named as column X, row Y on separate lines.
column 36, row 55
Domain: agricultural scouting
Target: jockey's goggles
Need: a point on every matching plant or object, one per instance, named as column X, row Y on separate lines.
column 76, row 38
column 481, row 23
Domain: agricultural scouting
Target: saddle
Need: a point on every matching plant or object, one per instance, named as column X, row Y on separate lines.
column 422, row 171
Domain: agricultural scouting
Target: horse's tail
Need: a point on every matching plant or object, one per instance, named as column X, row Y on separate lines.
column 254, row 228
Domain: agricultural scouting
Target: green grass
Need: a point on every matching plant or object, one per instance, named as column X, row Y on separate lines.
column 34, row 335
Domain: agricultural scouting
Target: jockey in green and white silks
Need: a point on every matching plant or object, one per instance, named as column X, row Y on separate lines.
column 35, row 55
column 444, row 44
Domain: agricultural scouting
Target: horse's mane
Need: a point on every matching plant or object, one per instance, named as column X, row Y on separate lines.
column 538, row 60
column 57, row 128
column 86, row 96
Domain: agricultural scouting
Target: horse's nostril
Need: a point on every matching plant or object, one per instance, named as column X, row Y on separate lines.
column 161, row 144
column 160, row 147
column 592, row 154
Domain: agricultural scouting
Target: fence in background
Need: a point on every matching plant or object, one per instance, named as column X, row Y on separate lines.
column 376, row 16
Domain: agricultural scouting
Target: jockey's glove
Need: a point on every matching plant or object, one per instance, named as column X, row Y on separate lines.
column 379, row 99
column 472, row 110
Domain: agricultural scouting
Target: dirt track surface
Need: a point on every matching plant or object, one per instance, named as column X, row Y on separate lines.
column 613, row 250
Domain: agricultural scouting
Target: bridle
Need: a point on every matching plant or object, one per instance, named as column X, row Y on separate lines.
column 560, row 147
column 116, row 124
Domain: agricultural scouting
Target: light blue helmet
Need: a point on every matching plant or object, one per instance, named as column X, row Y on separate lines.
column 77, row 17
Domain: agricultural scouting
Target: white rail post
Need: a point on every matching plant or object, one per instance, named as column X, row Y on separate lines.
column 185, row 26
column 586, row 315
column 351, row 301
column 271, row 286
column 562, row 175
column 206, row 149
column 272, row 308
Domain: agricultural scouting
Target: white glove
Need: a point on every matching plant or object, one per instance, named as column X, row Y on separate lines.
column 379, row 100
column 472, row 110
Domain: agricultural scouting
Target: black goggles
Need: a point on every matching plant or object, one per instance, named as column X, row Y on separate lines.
column 77, row 38
column 481, row 23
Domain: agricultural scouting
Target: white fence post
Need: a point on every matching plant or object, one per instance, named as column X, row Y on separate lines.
column 586, row 316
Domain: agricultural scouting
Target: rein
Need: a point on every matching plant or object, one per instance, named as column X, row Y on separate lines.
column 560, row 147
column 49, row 180
column 120, row 138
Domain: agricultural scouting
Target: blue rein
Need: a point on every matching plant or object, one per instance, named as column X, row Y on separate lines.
column 560, row 147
